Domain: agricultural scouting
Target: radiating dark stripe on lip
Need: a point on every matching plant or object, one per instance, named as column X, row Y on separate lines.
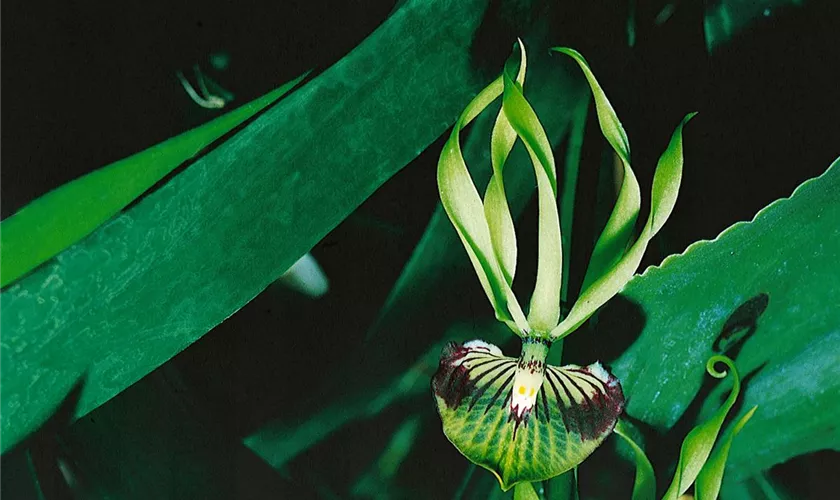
column 498, row 393
column 589, row 377
column 579, row 388
column 537, row 407
column 545, row 403
column 480, row 391
column 562, row 384
column 559, row 399
column 596, row 387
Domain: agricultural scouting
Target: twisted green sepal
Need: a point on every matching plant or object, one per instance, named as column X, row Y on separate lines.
column 614, row 260
column 521, row 419
column 466, row 210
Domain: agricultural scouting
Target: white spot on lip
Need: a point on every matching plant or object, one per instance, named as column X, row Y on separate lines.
column 480, row 344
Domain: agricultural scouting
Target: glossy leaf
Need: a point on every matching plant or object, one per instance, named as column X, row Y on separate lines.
column 156, row 278
column 62, row 217
column 666, row 183
column 573, row 410
column 698, row 444
column 788, row 252
column 708, row 482
column 644, row 487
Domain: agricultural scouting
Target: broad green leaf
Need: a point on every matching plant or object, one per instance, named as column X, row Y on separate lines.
column 644, row 487
column 431, row 281
column 725, row 18
column 496, row 208
column 666, row 183
column 153, row 280
column 711, row 476
column 570, row 410
column 463, row 205
column 545, row 302
column 614, row 239
column 62, row 217
column 698, row 444
column 789, row 252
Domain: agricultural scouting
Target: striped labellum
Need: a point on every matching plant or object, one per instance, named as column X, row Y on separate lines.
column 519, row 418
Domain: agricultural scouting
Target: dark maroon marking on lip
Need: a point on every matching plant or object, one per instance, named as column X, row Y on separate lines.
column 499, row 393
column 451, row 382
column 545, row 404
column 537, row 408
column 480, row 391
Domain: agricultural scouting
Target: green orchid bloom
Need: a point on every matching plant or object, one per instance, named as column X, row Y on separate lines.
column 520, row 418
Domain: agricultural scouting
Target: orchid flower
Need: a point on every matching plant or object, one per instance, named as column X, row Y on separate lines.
column 520, row 418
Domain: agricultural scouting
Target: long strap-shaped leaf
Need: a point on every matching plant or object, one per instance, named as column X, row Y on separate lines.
column 496, row 208
column 544, row 312
column 465, row 209
column 62, row 217
column 613, row 241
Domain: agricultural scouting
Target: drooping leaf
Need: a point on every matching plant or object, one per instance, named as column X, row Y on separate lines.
column 156, row 278
column 574, row 410
column 644, row 487
column 62, row 217
column 544, row 312
column 708, row 482
column 666, row 183
column 789, row 252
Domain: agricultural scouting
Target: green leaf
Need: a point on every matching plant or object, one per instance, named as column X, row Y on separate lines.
column 711, row 476
column 62, row 217
column 545, row 302
column 698, row 444
column 644, row 487
column 465, row 209
column 480, row 398
column 153, row 280
column 666, row 183
column 375, row 482
column 789, row 252
column 496, row 209
column 614, row 239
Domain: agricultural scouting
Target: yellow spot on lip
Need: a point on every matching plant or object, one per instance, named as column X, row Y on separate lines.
column 521, row 389
column 532, row 391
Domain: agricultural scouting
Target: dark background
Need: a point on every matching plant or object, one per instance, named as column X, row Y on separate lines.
column 87, row 83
